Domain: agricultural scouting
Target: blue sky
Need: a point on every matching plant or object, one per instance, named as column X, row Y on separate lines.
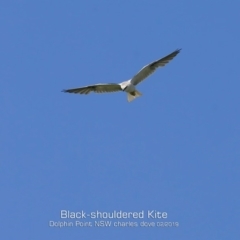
column 175, row 149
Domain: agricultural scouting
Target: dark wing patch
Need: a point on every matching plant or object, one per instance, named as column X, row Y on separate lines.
column 150, row 68
column 98, row 88
column 163, row 61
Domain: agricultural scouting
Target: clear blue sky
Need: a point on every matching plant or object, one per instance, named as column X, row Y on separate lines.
column 175, row 149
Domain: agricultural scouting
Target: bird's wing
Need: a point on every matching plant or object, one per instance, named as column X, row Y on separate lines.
column 97, row 88
column 150, row 68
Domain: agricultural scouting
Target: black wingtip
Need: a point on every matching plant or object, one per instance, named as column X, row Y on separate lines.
column 64, row 90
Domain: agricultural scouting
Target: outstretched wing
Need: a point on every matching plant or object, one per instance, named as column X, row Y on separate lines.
column 97, row 88
column 150, row 68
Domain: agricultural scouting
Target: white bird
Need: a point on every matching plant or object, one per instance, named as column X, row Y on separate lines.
column 127, row 86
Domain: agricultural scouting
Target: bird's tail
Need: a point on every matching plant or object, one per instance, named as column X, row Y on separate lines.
column 131, row 96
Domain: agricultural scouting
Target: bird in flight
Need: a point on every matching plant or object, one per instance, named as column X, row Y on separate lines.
column 129, row 85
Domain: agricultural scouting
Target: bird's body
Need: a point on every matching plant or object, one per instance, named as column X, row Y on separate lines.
column 127, row 86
